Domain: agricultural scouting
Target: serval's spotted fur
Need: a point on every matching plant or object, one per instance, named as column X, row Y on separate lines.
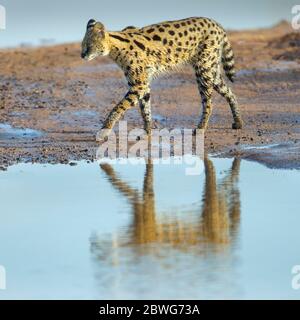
column 146, row 52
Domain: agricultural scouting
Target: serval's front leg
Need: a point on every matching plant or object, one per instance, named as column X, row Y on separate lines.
column 131, row 99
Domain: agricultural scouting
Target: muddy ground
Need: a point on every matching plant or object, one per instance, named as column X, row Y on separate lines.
column 52, row 103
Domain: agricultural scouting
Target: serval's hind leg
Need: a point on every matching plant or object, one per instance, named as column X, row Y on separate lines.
column 221, row 87
column 205, row 91
column 205, row 66
column 145, row 107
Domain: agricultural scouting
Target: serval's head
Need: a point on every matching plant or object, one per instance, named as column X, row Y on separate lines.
column 95, row 42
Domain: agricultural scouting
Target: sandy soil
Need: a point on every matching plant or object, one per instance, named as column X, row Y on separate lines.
column 64, row 98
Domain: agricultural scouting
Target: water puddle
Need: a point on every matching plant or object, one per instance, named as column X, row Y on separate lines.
column 9, row 132
column 159, row 118
column 127, row 231
column 263, row 147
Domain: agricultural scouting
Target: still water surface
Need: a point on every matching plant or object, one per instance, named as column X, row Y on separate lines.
column 149, row 231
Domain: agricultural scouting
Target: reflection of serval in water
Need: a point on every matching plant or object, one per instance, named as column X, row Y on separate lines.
column 221, row 204
column 144, row 53
column 219, row 219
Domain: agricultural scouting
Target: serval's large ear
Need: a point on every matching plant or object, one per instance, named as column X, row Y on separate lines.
column 91, row 23
column 99, row 27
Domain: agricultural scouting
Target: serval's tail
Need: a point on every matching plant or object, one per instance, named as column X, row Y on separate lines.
column 228, row 59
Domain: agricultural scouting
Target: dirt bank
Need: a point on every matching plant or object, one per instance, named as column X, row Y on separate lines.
column 63, row 101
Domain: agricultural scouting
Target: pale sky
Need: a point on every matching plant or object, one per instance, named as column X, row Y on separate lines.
column 64, row 20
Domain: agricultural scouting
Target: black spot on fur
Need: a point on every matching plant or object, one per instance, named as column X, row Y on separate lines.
column 132, row 92
column 150, row 30
column 227, row 68
column 177, row 25
column 129, row 100
column 119, row 38
column 171, row 32
column 161, row 29
column 165, row 41
column 139, row 44
column 156, row 38
column 129, row 28
column 147, row 97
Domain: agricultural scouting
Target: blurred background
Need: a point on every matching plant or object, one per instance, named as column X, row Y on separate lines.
column 36, row 22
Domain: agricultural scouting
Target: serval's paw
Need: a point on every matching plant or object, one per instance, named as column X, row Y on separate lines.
column 102, row 135
column 237, row 125
column 202, row 126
